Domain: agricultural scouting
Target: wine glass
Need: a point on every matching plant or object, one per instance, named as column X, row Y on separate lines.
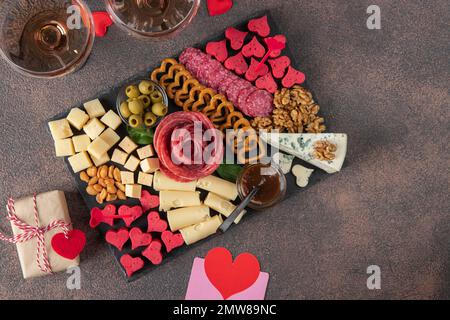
column 46, row 38
column 152, row 19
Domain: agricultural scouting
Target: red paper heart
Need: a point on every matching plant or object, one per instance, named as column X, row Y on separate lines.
column 293, row 77
column 253, row 49
column 230, row 277
column 153, row 252
column 172, row 241
column 267, row 82
column 139, row 239
column 149, row 201
column 131, row 264
column 237, row 64
column 130, row 214
column 102, row 21
column 279, row 66
column 236, row 37
column 102, row 216
column 155, row 223
column 259, row 26
column 71, row 246
column 218, row 50
column 218, row 7
column 279, row 38
column 253, row 72
column 117, row 238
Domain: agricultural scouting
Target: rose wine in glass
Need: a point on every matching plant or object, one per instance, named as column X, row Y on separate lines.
column 46, row 38
column 152, row 18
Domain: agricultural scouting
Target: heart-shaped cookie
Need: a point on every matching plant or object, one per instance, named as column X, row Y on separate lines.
column 155, row 223
column 236, row 37
column 293, row 77
column 279, row 38
column 69, row 246
column 139, row 238
column 172, row 241
column 105, row 215
column 117, row 238
column 279, row 66
column 218, row 7
column 237, row 64
column 267, row 82
column 130, row 214
column 218, row 50
column 102, row 21
column 259, row 26
column 130, row 264
column 254, row 72
column 153, row 252
column 253, row 49
column 149, row 201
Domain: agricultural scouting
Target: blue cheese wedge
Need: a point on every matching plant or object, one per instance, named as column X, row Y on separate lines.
column 301, row 145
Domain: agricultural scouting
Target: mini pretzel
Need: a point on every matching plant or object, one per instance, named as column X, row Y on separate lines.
column 216, row 100
column 193, row 96
column 163, row 68
column 180, row 78
column 222, row 112
column 183, row 94
column 204, row 99
column 170, row 75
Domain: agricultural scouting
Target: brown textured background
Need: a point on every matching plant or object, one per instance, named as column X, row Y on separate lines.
column 388, row 89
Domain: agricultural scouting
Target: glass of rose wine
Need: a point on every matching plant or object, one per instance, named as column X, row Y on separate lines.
column 152, row 19
column 46, row 38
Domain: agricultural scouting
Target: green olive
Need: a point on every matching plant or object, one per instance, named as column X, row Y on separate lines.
column 146, row 87
column 149, row 119
column 146, row 100
column 159, row 109
column 124, row 110
column 135, row 121
column 156, row 96
column 132, row 92
column 136, row 106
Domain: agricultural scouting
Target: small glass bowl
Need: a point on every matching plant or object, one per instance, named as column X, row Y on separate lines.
column 121, row 97
column 277, row 199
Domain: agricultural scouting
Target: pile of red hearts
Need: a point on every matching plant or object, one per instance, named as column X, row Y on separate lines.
column 150, row 243
column 249, row 49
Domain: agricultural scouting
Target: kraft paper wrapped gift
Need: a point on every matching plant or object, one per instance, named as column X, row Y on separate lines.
column 52, row 206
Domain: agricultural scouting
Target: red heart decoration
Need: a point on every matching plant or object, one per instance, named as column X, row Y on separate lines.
column 230, row 277
column 218, row 7
column 253, row 49
column 279, row 66
column 153, row 252
column 149, row 201
column 131, row 264
column 117, row 238
column 139, row 239
column 236, row 37
column 279, row 38
column 130, row 214
column 71, row 246
column 267, row 82
column 101, row 216
column 218, row 50
column 293, row 77
column 254, row 72
column 102, row 21
column 259, row 26
column 172, row 241
column 155, row 223
column 237, row 64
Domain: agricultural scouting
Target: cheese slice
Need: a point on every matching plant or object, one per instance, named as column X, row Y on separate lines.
column 186, row 217
column 301, row 145
column 201, row 230
column 222, row 206
column 178, row 199
column 163, row 182
column 221, row 187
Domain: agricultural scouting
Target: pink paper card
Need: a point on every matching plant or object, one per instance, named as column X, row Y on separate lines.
column 200, row 288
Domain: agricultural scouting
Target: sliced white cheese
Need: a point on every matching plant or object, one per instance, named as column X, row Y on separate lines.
column 163, row 182
column 302, row 174
column 222, row 206
column 301, row 145
column 201, row 230
column 178, row 199
column 221, row 187
column 186, row 217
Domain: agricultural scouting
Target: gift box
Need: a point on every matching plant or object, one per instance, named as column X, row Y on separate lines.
column 35, row 220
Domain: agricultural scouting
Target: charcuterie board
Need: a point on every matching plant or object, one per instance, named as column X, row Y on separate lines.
column 108, row 100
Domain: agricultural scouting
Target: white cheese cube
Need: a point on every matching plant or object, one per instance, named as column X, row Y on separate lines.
column 111, row 119
column 64, row 148
column 145, row 179
column 93, row 128
column 146, row 152
column 127, row 177
column 80, row 162
column 133, row 191
column 101, row 161
column 98, row 148
column 60, row 129
column 132, row 164
column 81, row 142
column 119, row 157
column 110, row 137
column 150, row 165
column 94, row 108
column 128, row 145
column 77, row 118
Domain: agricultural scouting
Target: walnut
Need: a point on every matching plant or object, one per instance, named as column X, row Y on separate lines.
column 324, row 150
column 262, row 123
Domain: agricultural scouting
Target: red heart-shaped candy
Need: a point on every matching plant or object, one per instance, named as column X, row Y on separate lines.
column 218, row 50
column 293, row 77
column 218, row 7
column 149, row 201
column 153, row 252
column 253, row 72
column 117, row 238
column 102, row 21
column 71, row 246
column 279, row 38
column 267, row 82
column 237, row 64
column 236, row 37
column 131, row 264
column 139, row 239
column 101, row 216
column 155, row 223
column 172, row 241
column 130, row 214
column 253, row 49
column 279, row 66
column 259, row 26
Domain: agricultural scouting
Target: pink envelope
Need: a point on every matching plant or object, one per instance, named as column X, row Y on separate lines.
column 200, row 288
